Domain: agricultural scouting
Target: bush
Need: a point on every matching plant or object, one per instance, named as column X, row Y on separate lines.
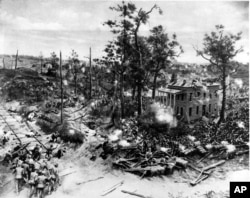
column 68, row 134
column 48, row 122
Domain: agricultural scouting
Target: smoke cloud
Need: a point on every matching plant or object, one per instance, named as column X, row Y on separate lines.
column 163, row 115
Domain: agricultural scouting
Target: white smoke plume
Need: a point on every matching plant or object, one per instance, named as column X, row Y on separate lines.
column 241, row 124
column 115, row 136
column 238, row 82
column 164, row 115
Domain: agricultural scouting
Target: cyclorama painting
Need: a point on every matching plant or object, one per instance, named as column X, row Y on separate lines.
column 123, row 98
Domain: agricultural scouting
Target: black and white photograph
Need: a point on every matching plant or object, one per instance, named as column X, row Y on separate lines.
column 124, row 99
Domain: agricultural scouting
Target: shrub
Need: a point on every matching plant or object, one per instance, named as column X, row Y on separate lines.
column 68, row 134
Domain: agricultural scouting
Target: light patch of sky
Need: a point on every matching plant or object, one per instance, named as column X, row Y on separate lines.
column 54, row 25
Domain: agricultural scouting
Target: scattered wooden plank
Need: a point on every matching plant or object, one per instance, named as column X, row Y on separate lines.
column 135, row 194
column 67, row 174
column 214, row 165
column 84, row 182
column 111, row 189
column 242, row 152
column 206, row 156
column 198, row 170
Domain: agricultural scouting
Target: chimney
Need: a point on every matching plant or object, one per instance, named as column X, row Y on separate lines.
column 184, row 82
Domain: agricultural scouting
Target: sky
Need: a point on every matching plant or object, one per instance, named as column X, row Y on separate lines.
column 37, row 27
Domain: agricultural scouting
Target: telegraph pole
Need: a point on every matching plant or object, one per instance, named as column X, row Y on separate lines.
column 16, row 60
column 90, row 75
column 61, row 87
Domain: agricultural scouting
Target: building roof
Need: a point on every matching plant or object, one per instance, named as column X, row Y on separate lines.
column 186, row 83
column 191, row 83
column 167, row 90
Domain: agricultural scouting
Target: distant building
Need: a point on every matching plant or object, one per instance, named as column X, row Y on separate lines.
column 190, row 99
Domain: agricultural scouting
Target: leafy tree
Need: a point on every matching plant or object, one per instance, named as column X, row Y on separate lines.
column 220, row 49
column 74, row 67
column 128, row 45
column 140, row 18
column 119, row 49
column 163, row 51
column 54, row 62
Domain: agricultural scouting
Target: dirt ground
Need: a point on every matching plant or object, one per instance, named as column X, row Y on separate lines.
column 97, row 177
column 81, row 169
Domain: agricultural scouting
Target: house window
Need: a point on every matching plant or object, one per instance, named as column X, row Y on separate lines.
column 190, row 96
column 204, row 95
column 210, row 96
column 177, row 97
column 215, row 107
column 190, row 111
column 181, row 111
column 198, row 94
column 182, row 97
column 215, row 94
column 177, row 110
column 209, row 108
column 197, row 110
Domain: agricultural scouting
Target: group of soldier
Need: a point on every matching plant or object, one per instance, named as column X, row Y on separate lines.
column 34, row 169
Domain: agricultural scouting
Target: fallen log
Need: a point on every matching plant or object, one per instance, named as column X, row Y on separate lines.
column 199, row 179
column 67, row 174
column 111, row 189
column 198, row 170
column 135, row 194
column 214, row 165
column 206, row 156
column 202, row 176
column 242, row 152
column 84, row 182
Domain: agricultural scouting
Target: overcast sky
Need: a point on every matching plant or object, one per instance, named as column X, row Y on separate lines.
column 34, row 26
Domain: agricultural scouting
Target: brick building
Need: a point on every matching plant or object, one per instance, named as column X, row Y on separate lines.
column 190, row 99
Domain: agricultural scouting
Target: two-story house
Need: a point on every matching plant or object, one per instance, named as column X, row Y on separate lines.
column 190, row 99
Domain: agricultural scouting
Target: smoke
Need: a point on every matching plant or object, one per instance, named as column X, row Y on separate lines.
column 163, row 115
column 241, row 124
column 204, row 89
column 71, row 131
column 124, row 143
column 238, row 82
column 65, row 82
column 115, row 136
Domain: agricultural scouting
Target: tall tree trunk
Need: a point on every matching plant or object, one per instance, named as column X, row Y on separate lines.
column 122, row 94
column 41, row 65
column 139, row 98
column 16, row 60
column 3, row 63
column 122, row 65
column 61, row 87
column 223, row 104
column 133, row 92
column 154, row 85
column 90, row 75
column 75, row 79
